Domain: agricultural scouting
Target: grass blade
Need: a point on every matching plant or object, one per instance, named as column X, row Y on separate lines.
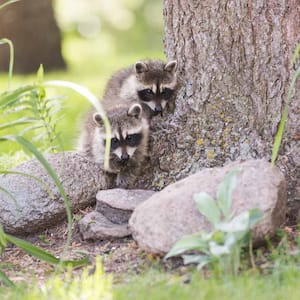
column 280, row 131
column 41, row 254
column 11, row 54
column 8, row 3
column 6, row 280
column 95, row 102
column 41, row 182
column 3, row 241
column 10, row 97
column 30, row 147
column 9, row 194
column 33, row 250
column 295, row 55
column 20, row 121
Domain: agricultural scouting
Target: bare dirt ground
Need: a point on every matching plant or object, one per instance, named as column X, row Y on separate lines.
column 120, row 257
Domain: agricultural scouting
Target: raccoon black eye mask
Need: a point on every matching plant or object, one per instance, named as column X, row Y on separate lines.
column 131, row 140
column 148, row 95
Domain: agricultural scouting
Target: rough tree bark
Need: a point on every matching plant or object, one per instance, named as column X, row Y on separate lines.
column 32, row 28
column 233, row 59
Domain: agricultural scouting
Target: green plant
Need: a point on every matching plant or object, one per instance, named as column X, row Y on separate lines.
column 67, row 286
column 222, row 246
column 40, row 114
column 32, row 99
column 34, row 251
column 32, row 95
column 280, row 131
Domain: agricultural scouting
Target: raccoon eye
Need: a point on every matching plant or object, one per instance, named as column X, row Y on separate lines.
column 146, row 95
column 167, row 93
column 114, row 143
column 149, row 91
column 133, row 140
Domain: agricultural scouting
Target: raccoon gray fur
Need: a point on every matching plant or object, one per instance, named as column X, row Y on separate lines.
column 152, row 83
column 129, row 142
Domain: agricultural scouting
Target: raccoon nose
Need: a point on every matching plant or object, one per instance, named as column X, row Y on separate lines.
column 124, row 157
column 158, row 109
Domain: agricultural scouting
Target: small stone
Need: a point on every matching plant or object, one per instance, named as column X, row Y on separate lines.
column 123, row 199
column 117, row 205
column 95, row 226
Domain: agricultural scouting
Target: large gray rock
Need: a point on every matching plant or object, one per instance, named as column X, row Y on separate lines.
column 170, row 214
column 113, row 210
column 33, row 208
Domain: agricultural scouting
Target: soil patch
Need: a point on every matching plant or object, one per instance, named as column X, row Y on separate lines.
column 118, row 256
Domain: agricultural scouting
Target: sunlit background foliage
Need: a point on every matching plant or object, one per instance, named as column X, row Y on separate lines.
column 98, row 38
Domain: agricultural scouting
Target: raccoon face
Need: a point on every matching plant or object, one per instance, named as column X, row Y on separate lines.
column 129, row 136
column 157, row 83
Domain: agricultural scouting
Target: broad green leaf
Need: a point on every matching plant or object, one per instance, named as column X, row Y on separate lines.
column 218, row 250
column 6, row 280
column 225, row 190
column 191, row 242
column 201, row 260
column 230, row 240
column 239, row 223
column 207, row 206
column 280, row 131
column 203, row 264
column 254, row 217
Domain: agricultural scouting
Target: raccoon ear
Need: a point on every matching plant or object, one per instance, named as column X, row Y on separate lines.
column 98, row 119
column 171, row 66
column 140, row 67
column 135, row 110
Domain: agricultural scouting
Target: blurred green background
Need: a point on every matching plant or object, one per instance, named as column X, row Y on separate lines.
column 98, row 38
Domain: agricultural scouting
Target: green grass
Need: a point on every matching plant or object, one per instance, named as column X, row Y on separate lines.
column 161, row 286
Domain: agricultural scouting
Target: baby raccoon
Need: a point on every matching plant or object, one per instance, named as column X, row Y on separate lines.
column 151, row 82
column 129, row 141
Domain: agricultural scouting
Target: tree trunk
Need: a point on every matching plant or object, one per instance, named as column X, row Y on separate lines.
column 32, row 28
column 233, row 59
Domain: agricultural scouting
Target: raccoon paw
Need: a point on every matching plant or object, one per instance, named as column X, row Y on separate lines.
column 122, row 181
